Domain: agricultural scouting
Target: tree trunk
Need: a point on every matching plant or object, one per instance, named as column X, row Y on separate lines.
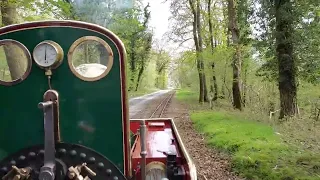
column 17, row 65
column 86, row 53
column 201, row 92
column 156, row 84
column 214, row 79
column 16, row 60
column 215, row 85
column 8, row 12
column 202, row 85
column 236, row 87
column 139, row 76
column 226, row 31
column 164, row 80
column 104, row 56
column 236, row 65
column 226, row 19
column 223, row 88
column 287, row 71
column 201, row 63
column 244, row 87
column 132, row 65
column 205, row 90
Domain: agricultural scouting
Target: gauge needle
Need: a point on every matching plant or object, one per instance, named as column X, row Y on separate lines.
column 45, row 54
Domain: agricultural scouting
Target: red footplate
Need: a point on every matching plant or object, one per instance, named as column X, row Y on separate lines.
column 165, row 151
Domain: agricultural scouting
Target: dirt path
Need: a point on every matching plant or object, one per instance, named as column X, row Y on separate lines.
column 210, row 164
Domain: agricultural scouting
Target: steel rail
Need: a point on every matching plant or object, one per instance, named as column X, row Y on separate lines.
column 163, row 103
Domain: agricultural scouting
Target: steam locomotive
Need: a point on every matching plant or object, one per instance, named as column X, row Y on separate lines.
column 64, row 110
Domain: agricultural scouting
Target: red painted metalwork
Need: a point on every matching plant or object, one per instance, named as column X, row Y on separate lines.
column 161, row 137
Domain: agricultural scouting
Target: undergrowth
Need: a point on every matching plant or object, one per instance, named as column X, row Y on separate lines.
column 259, row 149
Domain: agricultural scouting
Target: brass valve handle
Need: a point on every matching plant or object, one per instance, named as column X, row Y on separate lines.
column 17, row 173
column 75, row 172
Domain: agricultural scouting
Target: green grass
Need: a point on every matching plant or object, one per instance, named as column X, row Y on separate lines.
column 185, row 95
column 257, row 151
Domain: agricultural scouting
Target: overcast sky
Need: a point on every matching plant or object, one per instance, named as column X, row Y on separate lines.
column 160, row 14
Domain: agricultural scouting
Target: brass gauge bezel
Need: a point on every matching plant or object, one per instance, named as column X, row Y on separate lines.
column 58, row 49
column 105, row 45
column 29, row 59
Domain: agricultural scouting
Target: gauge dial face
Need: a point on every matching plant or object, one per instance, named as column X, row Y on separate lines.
column 45, row 54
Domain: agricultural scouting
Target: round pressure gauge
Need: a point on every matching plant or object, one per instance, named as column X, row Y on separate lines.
column 48, row 54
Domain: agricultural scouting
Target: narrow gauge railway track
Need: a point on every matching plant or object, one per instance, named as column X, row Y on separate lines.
column 157, row 113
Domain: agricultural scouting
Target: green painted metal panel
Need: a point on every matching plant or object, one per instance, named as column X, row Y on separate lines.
column 97, row 104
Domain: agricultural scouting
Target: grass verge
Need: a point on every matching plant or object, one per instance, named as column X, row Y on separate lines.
column 141, row 92
column 257, row 151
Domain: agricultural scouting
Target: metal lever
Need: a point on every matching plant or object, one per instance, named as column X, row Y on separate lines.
column 47, row 171
column 143, row 153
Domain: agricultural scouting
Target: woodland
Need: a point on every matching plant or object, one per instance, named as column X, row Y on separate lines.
column 251, row 75
column 245, row 42
column 254, row 72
